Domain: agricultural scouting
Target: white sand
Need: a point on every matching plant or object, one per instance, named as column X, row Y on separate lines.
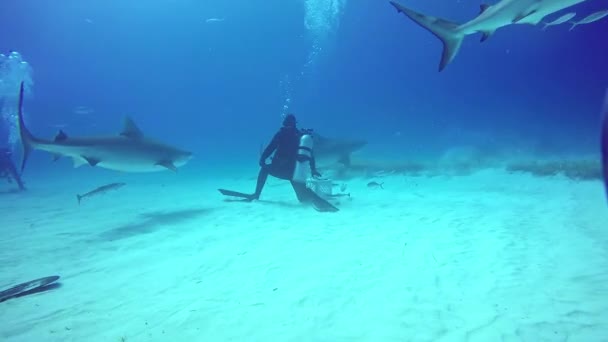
column 483, row 257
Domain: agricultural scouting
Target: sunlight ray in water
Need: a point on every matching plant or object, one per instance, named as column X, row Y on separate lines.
column 321, row 20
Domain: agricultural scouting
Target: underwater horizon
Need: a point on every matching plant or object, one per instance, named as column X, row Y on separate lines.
column 217, row 78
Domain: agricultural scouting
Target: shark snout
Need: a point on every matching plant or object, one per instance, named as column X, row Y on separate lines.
column 187, row 156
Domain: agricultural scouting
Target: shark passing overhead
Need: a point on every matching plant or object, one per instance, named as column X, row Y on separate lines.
column 491, row 18
column 129, row 151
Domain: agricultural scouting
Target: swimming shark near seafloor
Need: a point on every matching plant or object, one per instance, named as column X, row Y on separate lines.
column 129, row 151
column 491, row 18
column 335, row 150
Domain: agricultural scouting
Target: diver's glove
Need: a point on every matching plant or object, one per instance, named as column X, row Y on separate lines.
column 316, row 173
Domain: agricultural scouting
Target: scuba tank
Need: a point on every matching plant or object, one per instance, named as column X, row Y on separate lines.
column 302, row 172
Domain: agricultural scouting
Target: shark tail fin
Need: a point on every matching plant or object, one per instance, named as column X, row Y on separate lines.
column 446, row 31
column 27, row 139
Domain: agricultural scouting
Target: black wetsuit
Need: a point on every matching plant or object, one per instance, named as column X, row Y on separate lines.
column 284, row 144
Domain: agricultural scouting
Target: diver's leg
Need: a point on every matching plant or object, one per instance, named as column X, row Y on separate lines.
column 13, row 172
column 302, row 192
column 262, row 177
column 306, row 195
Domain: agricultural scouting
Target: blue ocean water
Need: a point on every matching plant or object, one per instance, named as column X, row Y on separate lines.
column 216, row 77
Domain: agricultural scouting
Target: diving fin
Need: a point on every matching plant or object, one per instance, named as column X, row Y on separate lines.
column 226, row 192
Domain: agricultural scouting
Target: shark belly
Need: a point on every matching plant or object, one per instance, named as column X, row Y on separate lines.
column 113, row 156
column 130, row 167
column 126, row 158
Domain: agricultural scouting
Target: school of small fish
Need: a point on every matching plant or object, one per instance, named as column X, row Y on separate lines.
column 566, row 18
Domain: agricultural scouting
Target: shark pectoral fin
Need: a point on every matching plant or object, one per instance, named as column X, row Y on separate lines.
column 345, row 160
column 91, row 161
column 168, row 164
column 56, row 157
column 130, row 129
column 486, row 34
column 78, row 162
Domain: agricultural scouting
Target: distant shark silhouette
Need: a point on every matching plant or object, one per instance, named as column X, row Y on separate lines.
column 335, row 149
column 129, row 151
column 491, row 18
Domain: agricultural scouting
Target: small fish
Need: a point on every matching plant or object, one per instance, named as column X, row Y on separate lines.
column 340, row 195
column 100, row 190
column 604, row 142
column 375, row 185
column 214, row 20
column 83, row 110
column 589, row 19
column 564, row 18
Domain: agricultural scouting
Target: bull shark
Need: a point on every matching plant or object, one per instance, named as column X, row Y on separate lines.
column 129, row 151
column 335, row 149
column 491, row 18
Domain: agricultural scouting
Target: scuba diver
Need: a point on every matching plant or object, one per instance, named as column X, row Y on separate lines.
column 284, row 144
column 293, row 160
column 7, row 168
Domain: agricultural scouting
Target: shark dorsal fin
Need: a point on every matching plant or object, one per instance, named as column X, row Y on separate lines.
column 168, row 164
column 130, row 129
column 61, row 136
column 483, row 8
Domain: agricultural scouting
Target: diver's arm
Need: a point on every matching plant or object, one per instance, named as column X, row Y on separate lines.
column 313, row 166
column 269, row 149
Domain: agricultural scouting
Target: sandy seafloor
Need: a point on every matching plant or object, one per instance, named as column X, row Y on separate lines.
column 488, row 256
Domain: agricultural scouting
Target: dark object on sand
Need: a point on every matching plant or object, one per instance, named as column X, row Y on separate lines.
column 32, row 286
column 604, row 142
column 101, row 190
column 375, row 185
column 7, row 168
